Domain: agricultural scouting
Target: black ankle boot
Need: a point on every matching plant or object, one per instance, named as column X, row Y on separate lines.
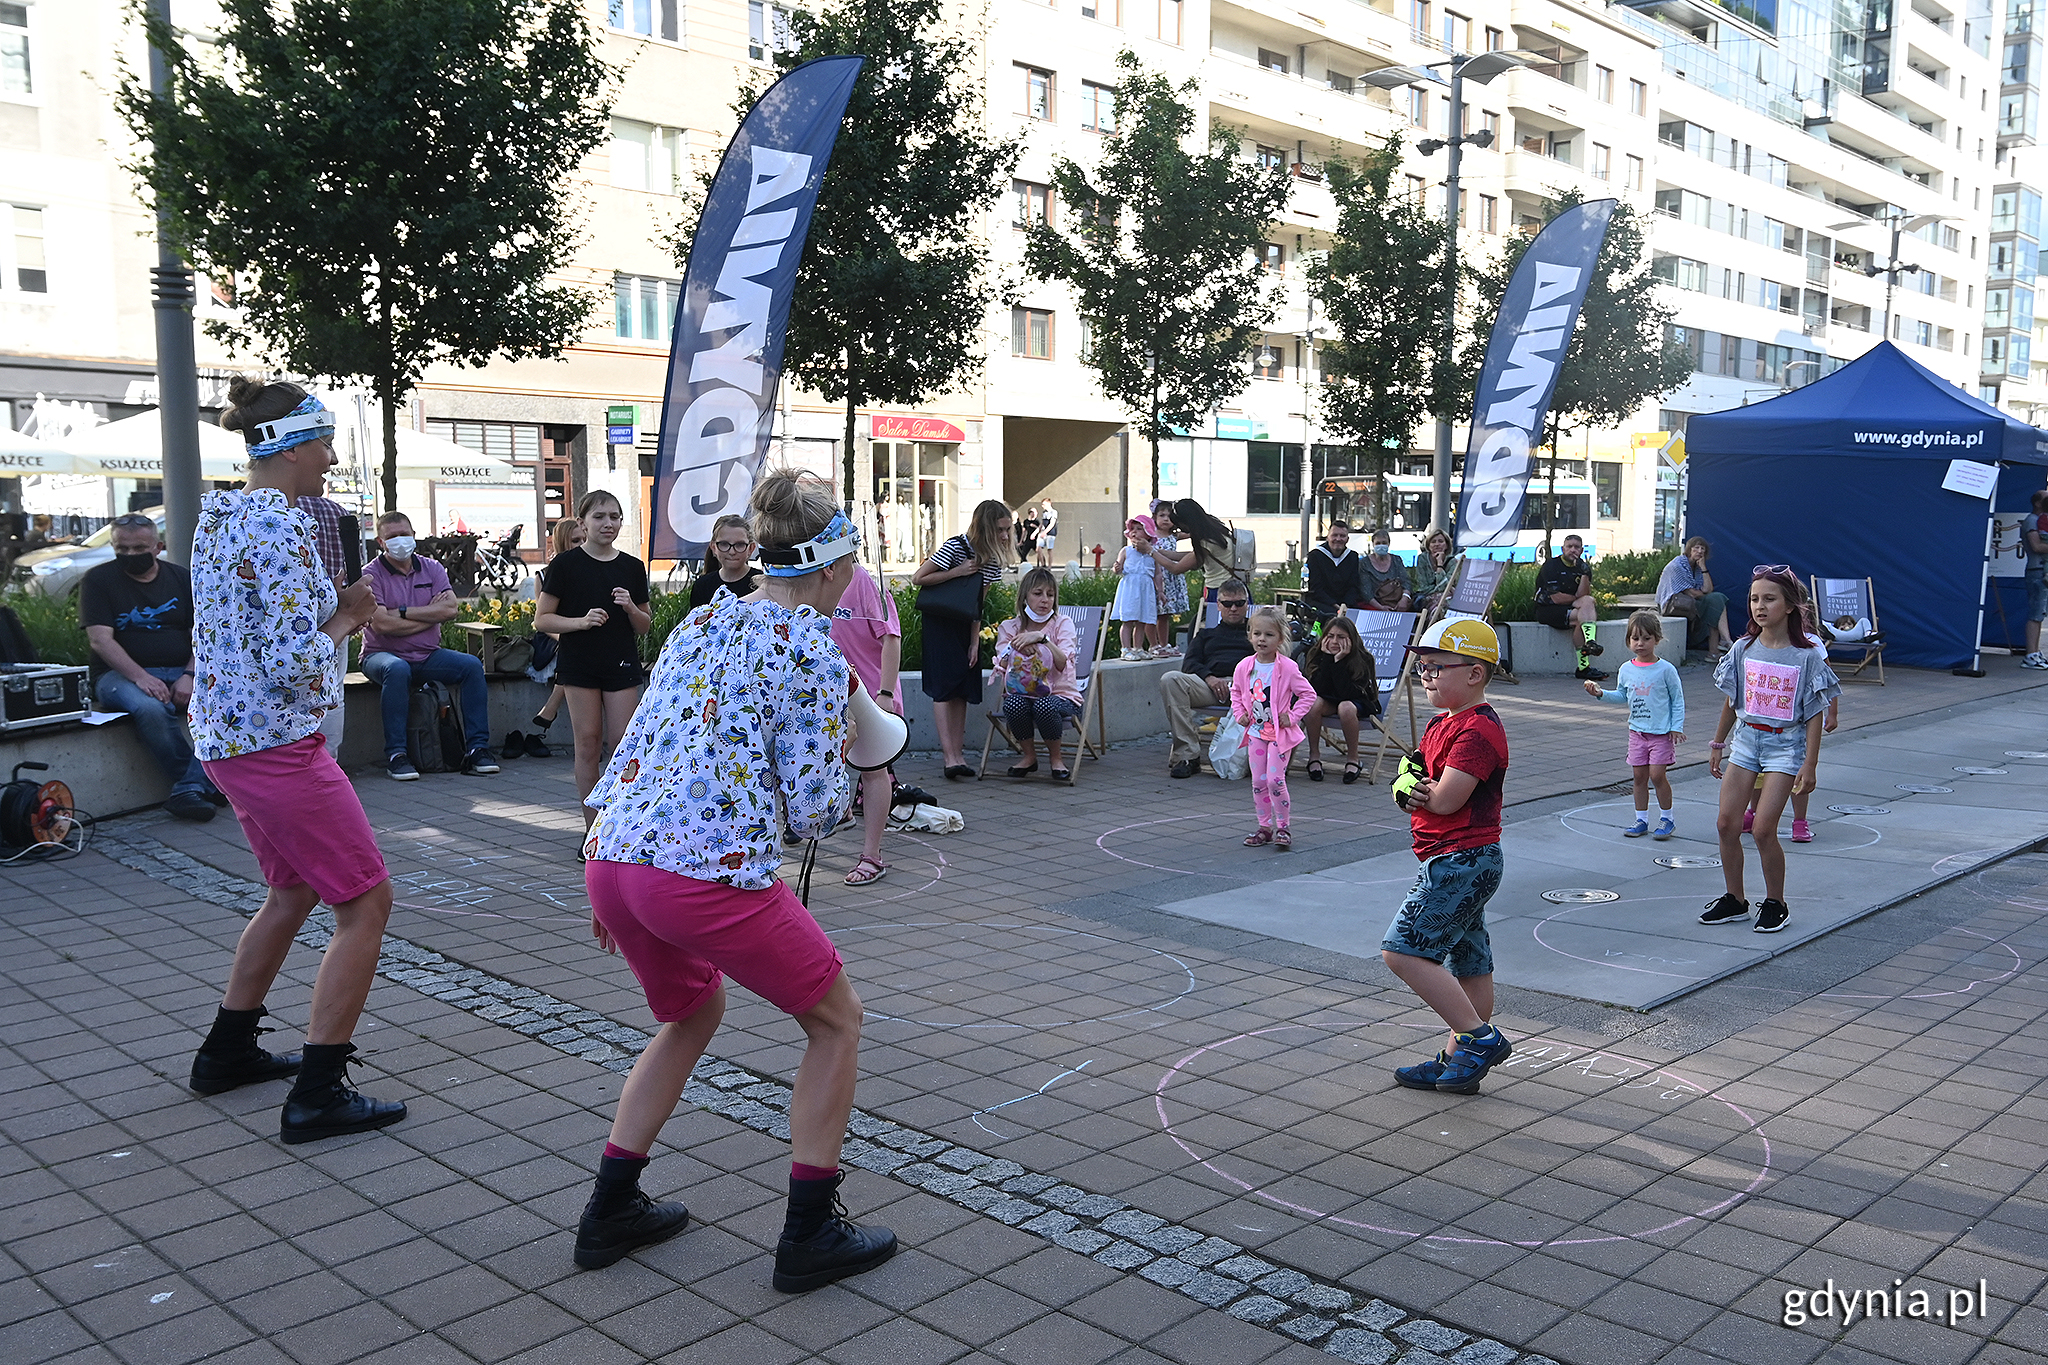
column 322, row 1106
column 620, row 1217
column 819, row 1245
column 230, row 1057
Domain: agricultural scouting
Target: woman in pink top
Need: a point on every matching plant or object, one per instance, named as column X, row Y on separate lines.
column 865, row 627
column 1269, row 696
column 1035, row 659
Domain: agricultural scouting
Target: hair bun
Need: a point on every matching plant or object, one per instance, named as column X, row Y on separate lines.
column 242, row 390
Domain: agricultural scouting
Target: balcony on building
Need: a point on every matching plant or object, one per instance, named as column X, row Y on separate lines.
column 1280, row 66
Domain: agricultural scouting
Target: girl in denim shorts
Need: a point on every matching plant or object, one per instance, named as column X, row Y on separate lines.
column 1778, row 686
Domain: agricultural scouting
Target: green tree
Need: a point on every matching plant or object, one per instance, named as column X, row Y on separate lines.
column 1620, row 357
column 1380, row 286
column 894, row 288
column 386, row 182
column 1159, row 245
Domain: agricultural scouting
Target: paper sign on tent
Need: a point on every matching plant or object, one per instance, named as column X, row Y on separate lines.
column 1970, row 477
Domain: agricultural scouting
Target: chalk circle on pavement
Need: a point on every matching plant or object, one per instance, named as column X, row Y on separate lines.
column 1706, row 1143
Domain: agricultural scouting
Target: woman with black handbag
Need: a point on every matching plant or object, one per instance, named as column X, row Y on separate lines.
column 950, row 587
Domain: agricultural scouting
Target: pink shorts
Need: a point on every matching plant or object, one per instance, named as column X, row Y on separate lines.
column 1650, row 751
column 677, row 933
column 304, row 821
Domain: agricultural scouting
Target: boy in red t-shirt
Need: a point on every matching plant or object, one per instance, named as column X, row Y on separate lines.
column 1453, row 799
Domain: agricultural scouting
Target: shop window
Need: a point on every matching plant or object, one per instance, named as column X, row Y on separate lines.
column 1607, row 490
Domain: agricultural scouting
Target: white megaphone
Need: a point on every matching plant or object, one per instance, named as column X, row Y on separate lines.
column 879, row 737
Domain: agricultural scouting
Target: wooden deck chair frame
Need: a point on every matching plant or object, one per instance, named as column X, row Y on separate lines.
column 1091, row 706
column 1871, row 650
column 1401, row 685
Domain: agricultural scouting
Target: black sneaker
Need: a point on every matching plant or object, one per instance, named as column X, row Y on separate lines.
column 189, row 806
column 642, row 1222
column 514, row 746
column 480, row 763
column 1592, row 649
column 537, row 747
column 1771, row 916
column 1187, row 768
column 1725, row 910
column 400, row 769
column 833, row 1252
column 1588, row 673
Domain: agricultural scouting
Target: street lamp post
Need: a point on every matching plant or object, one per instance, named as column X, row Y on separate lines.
column 1899, row 223
column 177, row 375
column 1480, row 67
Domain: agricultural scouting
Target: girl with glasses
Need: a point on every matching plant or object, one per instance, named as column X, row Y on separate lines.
column 725, row 563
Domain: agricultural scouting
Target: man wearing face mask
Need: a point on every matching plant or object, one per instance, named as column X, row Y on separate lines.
column 403, row 644
column 137, row 614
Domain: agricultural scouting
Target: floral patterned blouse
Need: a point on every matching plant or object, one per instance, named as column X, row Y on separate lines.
column 739, row 734
column 259, row 597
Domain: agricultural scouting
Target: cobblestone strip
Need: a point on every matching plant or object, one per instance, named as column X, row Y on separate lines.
column 1209, row 1270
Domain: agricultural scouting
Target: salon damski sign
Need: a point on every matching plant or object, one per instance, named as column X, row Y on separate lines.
column 1528, row 342
column 725, row 359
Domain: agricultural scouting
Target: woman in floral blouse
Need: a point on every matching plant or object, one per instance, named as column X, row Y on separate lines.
column 740, row 734
column 267, row 622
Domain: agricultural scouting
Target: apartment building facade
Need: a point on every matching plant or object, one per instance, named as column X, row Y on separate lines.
column 1771, row 145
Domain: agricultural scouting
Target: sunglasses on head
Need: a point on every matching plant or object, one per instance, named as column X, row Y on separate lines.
column 134, row 519
column 1772, row 571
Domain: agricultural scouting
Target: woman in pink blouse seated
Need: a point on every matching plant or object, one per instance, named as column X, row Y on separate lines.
column 741, row 733
column 1035, row 660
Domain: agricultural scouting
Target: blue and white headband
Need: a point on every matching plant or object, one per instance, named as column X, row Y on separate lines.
column 839, row 539
column 309, row 421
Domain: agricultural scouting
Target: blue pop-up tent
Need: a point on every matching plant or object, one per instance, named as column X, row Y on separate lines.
column 1842, row 479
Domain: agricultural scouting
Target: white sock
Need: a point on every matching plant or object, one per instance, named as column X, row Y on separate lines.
column 1642, row 812
column 1664, row 812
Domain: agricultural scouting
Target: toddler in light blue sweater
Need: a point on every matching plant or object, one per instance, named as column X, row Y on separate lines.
column 1656, row 720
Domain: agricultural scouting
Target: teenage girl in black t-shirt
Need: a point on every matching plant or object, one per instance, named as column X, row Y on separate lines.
column 595, row 598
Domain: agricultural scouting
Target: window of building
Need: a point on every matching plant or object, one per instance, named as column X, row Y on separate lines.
column 1606, row 490
column 1031, row 203
column 1267, row 362
column 1489, row 121
column 1272, row 257
column 1632, row 172
column 647, row 156
column 1951, row 239
column 2005, row 210
column 17, row 73
column 1098, row 107
column 1457, row 33
column 2017, row 356
column 1994, row 354
column 1603, row 84
column 1489, row 214
column 1495, row 40
column 24, row 266
column 1602, row 163
column 1273, row 61
column 499, row 440
column 2023, row 309
column 1638, row 98
column 1269, row 158
column 649, row 18
column 1035, row 90
column 1031, row 333
column 1416, row 188
column 1159, row 19
column 1108, row 11
column 1418, row 107
column 1340, row 82
column 1086, row 353
column 1418, row 18
column 645, row 309
column 768, row 30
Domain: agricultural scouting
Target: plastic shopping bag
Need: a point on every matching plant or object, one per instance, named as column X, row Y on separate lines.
column 1226, row 751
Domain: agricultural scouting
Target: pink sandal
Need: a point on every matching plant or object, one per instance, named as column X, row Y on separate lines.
column 1282, row 840
column 1258, row 838
column 865, row 871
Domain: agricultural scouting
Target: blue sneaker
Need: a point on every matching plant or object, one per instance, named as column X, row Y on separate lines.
column 1665, row 829
column 1423, row 1075
column 1637, row 830
column 1477, row 1053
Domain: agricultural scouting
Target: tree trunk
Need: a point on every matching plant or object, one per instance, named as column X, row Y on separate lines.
column 1152, row 432
column 387, row 404
column 851, row 400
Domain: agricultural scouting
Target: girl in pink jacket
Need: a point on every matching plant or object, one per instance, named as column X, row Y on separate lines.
column 1268, row 696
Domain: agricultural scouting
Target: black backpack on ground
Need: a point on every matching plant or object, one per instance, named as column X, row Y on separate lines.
column 15, row 646
column 433, row 729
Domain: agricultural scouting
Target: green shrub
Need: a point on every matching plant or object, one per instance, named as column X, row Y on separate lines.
column 52, row 626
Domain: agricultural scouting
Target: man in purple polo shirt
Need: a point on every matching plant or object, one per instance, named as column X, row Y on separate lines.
column 403, row 643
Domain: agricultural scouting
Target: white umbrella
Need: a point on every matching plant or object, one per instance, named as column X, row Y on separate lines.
column 421, row 456
column 21, row 455
column 133, row 448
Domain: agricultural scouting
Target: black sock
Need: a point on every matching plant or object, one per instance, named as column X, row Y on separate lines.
column 232, row 1029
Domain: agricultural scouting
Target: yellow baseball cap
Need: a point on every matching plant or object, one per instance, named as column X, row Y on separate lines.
column 1473, row 639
